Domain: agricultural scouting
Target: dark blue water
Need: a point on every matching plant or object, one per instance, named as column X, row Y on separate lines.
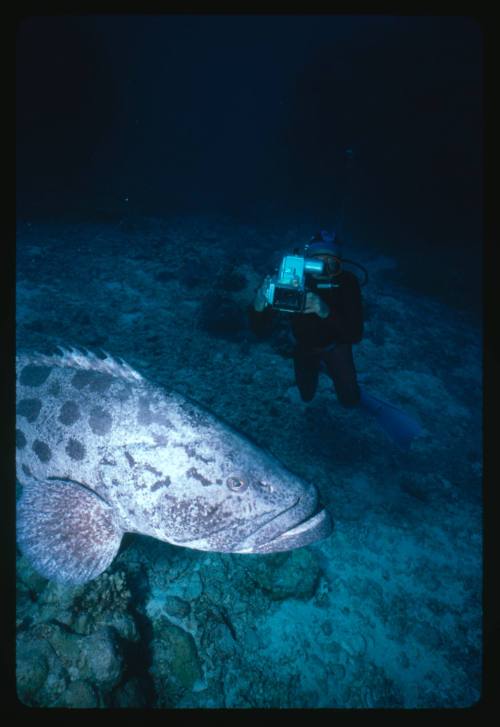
column 164, row 165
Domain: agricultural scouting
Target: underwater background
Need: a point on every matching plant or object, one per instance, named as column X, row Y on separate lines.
column 165, row 163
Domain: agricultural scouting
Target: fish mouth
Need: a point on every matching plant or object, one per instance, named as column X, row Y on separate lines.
column 317, row 527
column 302, row 523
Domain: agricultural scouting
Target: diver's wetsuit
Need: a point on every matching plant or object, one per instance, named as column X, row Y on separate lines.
column 324, row 339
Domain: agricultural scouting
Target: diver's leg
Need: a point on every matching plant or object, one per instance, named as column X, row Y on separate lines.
column 306, row 367
column 400, row 427
column 340, row 368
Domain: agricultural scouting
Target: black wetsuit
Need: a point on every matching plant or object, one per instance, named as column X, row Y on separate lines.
column 324, row 339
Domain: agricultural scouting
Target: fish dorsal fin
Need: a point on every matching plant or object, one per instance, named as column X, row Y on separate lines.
column 82, row 360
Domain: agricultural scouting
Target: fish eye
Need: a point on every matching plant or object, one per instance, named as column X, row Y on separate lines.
column 236, row 483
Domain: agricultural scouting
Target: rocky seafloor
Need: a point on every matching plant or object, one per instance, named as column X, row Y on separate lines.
column 384, row 613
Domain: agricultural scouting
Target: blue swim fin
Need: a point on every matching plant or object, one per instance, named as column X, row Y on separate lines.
column 400, row 426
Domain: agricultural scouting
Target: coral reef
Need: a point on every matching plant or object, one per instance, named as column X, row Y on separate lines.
column 51, row 659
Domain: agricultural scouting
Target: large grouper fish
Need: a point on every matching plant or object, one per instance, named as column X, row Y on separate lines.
column 102, row 451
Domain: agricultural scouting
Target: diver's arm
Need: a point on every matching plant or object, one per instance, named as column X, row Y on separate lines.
column 260, row 300
column 260, row 313
column 314, row 304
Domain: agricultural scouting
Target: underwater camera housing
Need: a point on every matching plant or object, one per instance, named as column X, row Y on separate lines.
column 286, row 291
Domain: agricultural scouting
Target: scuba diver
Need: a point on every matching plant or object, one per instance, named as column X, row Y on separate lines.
column 325, row 326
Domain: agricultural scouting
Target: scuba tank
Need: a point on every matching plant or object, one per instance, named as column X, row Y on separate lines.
column 358, row 265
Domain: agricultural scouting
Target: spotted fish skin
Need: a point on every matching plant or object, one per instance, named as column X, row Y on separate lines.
column 101, row 450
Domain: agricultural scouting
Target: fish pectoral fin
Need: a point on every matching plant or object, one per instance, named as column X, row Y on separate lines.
column 67, row 532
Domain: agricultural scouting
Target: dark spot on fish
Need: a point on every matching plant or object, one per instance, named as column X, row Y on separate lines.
column 101, row 382
column 70, row 413
column 193, row 472
column 75, row 449
column 147, row 417
column 107, row 461
column 26, row 470
column 160, row 439
column 33, row 375
column 193, row 454
column 144, row 415
column 82, row 378
column 29, row 408
column 130, row 459
column 20, row 439
column 122, row 394
column 206, row 460
column 162, row 420
column 149, row 468
column 100, row 421
column 41, row 450
column 161, row 483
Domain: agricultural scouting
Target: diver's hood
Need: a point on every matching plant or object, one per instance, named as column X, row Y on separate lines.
column 324, row 247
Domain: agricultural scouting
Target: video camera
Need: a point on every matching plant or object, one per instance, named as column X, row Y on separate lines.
column 286, row 291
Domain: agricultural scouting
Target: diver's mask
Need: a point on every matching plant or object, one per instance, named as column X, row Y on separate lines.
column 332, row 266
column 326, row 247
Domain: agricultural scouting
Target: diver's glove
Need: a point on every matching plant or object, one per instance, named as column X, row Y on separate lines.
column 314, row 304
column 260, row 300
